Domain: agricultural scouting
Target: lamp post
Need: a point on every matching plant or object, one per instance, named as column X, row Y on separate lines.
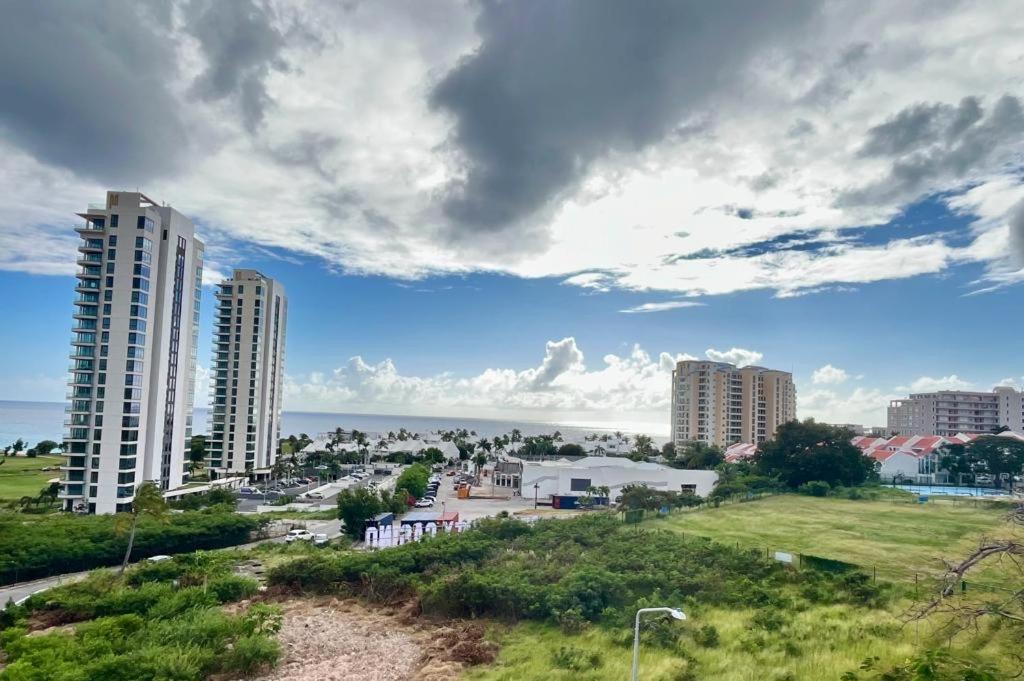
column 536, row 488
column 676, row 614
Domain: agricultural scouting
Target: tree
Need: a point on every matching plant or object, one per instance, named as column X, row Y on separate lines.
column 196, row 452
column 698, row 455
column 802, row 452
column 414, row 480
column 516, row 435
column 668, row 450
column 44, row 447
column 1000, row 457
column 639, row 497
column 642, row 446
column 571, row 449
column 356, row 505
column 953, row 458
column 149, row 501
column 480, row 460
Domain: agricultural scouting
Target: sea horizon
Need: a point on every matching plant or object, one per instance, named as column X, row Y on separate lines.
column 36, row 420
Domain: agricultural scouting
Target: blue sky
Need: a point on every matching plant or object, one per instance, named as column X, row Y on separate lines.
column 474, row 215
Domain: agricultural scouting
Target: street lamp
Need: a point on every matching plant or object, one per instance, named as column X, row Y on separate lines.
column 676, row 614
column 536, row 488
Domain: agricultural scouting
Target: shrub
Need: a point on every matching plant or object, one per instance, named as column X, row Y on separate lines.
column 814, row 488
column 250, row 654
column 706, row 636
column 230, row 588
column 576, row 659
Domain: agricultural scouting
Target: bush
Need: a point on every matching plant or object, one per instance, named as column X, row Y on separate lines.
column 250, row 654
column 230, row 588
column 575, row 659
column 815, row 488
column 32, row 547
column 706, row 636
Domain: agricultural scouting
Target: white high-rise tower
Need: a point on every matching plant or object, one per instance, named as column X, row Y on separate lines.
column 246, row 373
column 133, row 352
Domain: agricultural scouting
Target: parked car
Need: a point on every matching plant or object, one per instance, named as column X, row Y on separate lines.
column 320, row 539
column 296, row 535
column 424, row 503
column 157, row 559
column 248, row 490
column 313, row 495
column 322, row 467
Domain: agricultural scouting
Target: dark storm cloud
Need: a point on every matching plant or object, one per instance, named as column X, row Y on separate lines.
column 938, row 142
column 556, row 85
column 85, row 87
column 241, row 45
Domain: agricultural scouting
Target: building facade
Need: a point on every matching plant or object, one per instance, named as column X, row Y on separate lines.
column 948, row 412
column 132, row 383
column 719, row 404
column 246, row 373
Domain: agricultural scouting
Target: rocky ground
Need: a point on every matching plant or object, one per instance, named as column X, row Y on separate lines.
column 336, row 640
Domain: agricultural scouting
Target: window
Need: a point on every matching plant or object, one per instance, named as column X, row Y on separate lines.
column 579, row 484
column 113, row 221
column 112, row 240
column 111, row 253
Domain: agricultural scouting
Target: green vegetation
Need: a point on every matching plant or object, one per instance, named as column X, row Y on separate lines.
column 22, row 476
column 808, row 451
column 158, row 621
column 414, row 480
column 358, row 504
column 899, row 539
column 37, row 546
column 998, row 457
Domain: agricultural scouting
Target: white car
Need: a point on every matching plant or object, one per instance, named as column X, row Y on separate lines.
column 319, row 539
column 295, row 535
column 157, row 559
column 313, row 495
column 424, row 503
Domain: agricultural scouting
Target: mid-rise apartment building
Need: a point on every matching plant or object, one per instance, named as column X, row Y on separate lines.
column 948, row 412
column 133, row 352
column 246, row 373
column 718, row 403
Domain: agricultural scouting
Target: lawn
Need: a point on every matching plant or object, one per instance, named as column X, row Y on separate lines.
column 23, row 476
column 898, row 539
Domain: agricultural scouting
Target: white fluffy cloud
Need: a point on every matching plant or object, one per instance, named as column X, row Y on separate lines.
column 343, row 137
column 829, row 374
column 738, row 356
column 926, row 384
column 633, row 386
column 865, row 406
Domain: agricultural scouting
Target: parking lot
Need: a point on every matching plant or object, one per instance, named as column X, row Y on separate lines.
column 268, row 492
column 478, row 506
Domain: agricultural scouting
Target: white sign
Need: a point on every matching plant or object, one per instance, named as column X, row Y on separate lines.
column 387, row 536
column 783, row 557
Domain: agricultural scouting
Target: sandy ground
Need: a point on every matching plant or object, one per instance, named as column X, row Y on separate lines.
column 336, row 640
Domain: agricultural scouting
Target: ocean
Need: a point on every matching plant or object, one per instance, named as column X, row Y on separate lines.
column 35, row 421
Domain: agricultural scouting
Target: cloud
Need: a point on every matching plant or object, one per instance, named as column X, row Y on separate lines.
column 865, row 406
column 634, row 383
column 1016, row 223
column 553, row 87
column 661, row 307
column 241, row 46
column 939, row 143
column 737, row 356
column 829, row 374
column 927, row 384
column 94, row 84
column 686, row 148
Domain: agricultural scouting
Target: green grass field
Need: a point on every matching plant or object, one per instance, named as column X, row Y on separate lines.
column 23, row 476
column 899, row 539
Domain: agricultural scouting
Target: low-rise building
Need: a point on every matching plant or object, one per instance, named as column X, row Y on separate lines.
column 544, row 479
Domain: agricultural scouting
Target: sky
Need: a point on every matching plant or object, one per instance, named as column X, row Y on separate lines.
column 532, row 210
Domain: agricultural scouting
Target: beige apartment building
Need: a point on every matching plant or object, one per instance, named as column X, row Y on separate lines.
column 720, row 404
column 246, row 373
column 948, row 412
column 132, row 352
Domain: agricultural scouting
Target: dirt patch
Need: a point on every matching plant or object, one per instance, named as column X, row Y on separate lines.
column 335, row 640
column 44, row 620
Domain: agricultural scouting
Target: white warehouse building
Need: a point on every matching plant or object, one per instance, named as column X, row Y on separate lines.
column 563, row 477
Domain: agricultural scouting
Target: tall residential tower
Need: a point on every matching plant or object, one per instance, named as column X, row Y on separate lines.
column 133, row 352
column 245, row 377
column 720, row 404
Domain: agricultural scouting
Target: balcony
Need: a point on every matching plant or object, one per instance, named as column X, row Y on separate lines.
column 91, row 245
column 89, row 273
column 90, row 259
column 87, row 285
column 90, row 228
column 71, row 491
column 86, row 312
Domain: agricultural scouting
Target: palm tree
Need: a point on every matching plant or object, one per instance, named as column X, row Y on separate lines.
column 516, row 435
column 149, row 500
